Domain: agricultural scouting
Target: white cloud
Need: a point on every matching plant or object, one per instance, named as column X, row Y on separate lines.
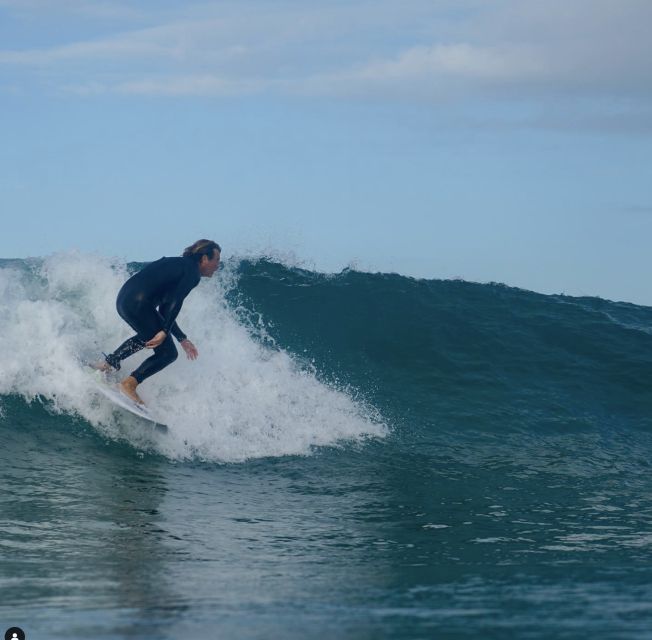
column 437, row 71
column 125, row 48
column 459, row 60
column 196, row 85
column 421, row 50
column 518, row 50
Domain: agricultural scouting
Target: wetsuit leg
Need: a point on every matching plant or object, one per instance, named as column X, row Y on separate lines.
column 147, row 322
column 165, row 354
column 126, row 349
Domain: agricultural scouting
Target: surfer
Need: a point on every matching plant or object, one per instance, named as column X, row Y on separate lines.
column 150, row 301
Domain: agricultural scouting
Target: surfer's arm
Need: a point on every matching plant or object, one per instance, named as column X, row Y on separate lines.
column 170, row 310
column 177, row 333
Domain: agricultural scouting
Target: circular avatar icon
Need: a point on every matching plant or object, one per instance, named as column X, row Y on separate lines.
column 14, row 633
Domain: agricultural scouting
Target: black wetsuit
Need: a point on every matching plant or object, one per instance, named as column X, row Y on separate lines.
column 150, row 302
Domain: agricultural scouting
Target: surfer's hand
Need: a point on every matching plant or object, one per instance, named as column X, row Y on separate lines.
column 156, row 340
column 190, row 349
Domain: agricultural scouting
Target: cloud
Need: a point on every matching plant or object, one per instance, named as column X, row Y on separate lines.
column 124, row 48
column 426, row 51
column 197, row 85
column 523, row 51
column 461, row 60
column 438, row 71
column 93, row 9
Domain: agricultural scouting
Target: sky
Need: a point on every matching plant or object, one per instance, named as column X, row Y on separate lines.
column 490, row 140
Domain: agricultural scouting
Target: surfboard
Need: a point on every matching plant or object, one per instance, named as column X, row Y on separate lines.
column 112, row 392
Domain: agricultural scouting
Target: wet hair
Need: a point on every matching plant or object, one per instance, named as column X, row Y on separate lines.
column 202, row 248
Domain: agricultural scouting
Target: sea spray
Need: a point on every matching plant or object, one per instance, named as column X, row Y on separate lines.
column 240, row 399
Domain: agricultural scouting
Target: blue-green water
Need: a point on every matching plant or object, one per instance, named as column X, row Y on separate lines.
column 352, row 456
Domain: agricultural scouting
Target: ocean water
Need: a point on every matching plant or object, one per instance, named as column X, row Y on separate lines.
column 353, row 456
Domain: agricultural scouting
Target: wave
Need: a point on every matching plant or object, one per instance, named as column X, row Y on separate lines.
column 241, row 399
column 463, row 341
column 292, row 359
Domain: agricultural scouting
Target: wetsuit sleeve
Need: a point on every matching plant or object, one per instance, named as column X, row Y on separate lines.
column 174, row 303
column 177, row 333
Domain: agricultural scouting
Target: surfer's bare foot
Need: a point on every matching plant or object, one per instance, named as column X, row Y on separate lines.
column 128, row 387
column 102, row 366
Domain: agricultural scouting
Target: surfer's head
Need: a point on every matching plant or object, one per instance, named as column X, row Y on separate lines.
column 207, row 254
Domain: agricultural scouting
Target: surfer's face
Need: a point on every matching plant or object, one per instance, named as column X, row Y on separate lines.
column 207, row 267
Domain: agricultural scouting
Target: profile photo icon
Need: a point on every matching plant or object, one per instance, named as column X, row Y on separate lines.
column 14, row 633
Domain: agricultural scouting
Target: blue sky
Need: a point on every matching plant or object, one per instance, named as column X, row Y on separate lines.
column 494, row 140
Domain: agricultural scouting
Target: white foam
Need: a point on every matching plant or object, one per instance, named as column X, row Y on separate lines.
column 240, row 399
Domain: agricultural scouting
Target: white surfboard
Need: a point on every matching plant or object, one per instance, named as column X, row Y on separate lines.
column 113, row 393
